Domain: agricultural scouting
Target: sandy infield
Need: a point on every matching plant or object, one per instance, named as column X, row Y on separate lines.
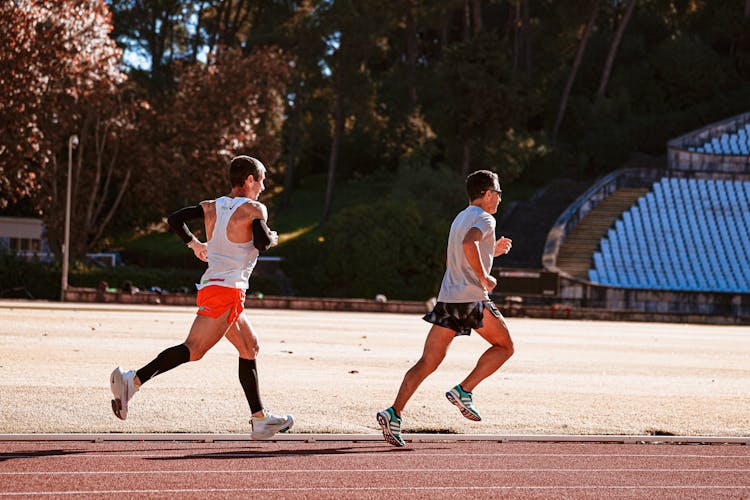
column 333, row 371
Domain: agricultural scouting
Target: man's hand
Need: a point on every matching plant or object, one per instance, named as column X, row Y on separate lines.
column 274, row 239
column 488, row 282
column 199, row 249
column 502, row 246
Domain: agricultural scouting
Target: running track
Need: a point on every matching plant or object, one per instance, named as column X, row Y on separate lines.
column 433, row 466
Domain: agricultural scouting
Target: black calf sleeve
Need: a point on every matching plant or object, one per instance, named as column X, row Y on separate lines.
column 165, row 361
column 249, row 380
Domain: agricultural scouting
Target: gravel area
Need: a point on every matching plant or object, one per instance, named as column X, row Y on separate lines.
column 334, row 370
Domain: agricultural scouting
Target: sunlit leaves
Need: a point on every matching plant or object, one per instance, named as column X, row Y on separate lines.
column 52, row 56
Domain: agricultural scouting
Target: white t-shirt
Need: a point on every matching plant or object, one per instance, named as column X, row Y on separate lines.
column 229, row 264
column 460, row 282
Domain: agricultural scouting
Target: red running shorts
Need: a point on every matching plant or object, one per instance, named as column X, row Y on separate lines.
column 215, row 300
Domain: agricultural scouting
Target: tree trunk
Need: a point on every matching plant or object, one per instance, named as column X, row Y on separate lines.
column 467, row 20
column 104, row 223
column 517, row 45
column 476, row 11
column 466, row 160
column 444, row 30
column 338, row 126
column 411, row 50
column 574, row 70
column 526, row 37
column 292, row 147
column 614, row 48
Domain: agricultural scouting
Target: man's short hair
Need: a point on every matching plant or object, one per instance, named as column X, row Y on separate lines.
column 477, row 183
column 242, row 166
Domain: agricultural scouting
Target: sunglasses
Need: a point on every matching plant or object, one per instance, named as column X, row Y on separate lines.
column 498, row 191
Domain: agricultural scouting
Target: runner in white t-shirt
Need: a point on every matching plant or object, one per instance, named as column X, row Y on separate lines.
column 463, row 305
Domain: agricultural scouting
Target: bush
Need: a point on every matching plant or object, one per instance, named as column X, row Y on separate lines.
column 23, row 279
column 36, row 280
column 394, row 246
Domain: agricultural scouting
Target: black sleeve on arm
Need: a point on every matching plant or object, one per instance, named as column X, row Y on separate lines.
column 261, row 235
column 177, row 221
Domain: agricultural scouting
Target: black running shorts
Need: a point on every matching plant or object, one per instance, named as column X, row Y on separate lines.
column 461, row 317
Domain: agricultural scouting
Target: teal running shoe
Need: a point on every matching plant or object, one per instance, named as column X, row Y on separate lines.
column 463, row 401
column 391, row 426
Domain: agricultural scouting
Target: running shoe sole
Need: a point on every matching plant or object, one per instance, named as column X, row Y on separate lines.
column 390, row 438
column 119, row 389
column 463, row 409
column 270, row 434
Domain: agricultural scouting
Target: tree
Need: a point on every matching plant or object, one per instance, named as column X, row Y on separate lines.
column 156, row 30
column 493, row 130
column 574, row 70
column 231, row 105
column 105, row 159
column 613, row 48
column 56, row 57
column 354, row 27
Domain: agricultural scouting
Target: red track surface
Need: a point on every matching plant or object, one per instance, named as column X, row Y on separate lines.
column 345, row 469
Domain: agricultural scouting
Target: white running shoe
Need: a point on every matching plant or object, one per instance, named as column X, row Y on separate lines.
column 266, row 427
column 123, row 388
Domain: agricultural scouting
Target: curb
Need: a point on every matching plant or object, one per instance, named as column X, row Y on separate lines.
column 414, row 438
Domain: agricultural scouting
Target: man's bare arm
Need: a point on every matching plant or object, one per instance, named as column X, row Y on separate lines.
column 471, row 251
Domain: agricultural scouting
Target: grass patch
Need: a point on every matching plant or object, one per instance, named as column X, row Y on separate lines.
column 658, row 432
column 429, row 430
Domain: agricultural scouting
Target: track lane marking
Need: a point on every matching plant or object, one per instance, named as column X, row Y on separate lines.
column 369, row 471
column 324, row 453
column 382, row 488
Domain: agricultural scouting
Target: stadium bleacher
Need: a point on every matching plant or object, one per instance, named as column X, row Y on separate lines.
column 736, row 143
column 683, row 235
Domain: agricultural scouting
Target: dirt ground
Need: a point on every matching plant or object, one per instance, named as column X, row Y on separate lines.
column 334, row 370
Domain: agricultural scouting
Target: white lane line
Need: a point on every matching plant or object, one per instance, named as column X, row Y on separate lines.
column 368, row 471
column 325, row 453
column 383, row 488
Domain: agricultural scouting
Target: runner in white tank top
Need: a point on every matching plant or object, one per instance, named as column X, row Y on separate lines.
column 230, row 264
column 236, row 230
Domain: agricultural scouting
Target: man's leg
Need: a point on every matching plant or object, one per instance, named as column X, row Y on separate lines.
column 496, row 333
column 264, row 424
column 243, row 338
column 204, row 334
column 434, row 351
column 433, row 354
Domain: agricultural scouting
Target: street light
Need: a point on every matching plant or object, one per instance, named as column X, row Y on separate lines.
column 72, row 143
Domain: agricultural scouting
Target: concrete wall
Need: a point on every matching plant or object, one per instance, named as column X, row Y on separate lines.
column 511, row 306
column 679, row 159
column 75, row 294
column 591, row 295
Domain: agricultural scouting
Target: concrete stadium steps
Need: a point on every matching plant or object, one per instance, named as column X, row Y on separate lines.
column 576, row 252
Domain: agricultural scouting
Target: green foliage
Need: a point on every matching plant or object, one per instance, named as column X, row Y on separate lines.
column 393, row 245
column 421, row 83
column 162, row 249
column 688, row 71
column 484, row 106
column 23, row 279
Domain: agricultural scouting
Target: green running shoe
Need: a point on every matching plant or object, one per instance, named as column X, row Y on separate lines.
column 462, row 400
column 391, row 426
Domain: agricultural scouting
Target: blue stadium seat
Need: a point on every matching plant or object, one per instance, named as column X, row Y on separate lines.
column 685, row 234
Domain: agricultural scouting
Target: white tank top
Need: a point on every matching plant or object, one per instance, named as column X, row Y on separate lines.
column 229, row 264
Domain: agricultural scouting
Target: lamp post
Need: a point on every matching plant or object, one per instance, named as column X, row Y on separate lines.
column 72, row 143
